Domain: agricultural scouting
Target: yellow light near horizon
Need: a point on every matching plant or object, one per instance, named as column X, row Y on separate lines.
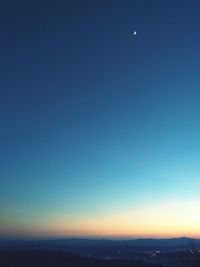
column 175, row 218
column 171, row 218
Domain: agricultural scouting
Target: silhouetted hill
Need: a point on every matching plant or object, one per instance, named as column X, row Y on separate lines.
column 82, row 244
column 175, row 252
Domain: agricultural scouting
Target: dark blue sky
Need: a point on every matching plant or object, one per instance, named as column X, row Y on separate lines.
column 96, row 123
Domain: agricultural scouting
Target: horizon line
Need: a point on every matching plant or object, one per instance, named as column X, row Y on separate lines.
column 43, row 238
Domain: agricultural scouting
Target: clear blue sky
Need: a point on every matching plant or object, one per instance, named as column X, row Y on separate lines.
column 99, row 128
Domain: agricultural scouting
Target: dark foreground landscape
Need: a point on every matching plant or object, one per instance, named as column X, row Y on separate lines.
column 177, row 252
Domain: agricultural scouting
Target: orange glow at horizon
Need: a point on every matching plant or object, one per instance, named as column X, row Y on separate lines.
column 164, row 220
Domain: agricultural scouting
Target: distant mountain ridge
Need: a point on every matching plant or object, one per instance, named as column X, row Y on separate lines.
column 73, row 244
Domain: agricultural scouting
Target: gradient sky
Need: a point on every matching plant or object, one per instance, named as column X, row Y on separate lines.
column 100, row 130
